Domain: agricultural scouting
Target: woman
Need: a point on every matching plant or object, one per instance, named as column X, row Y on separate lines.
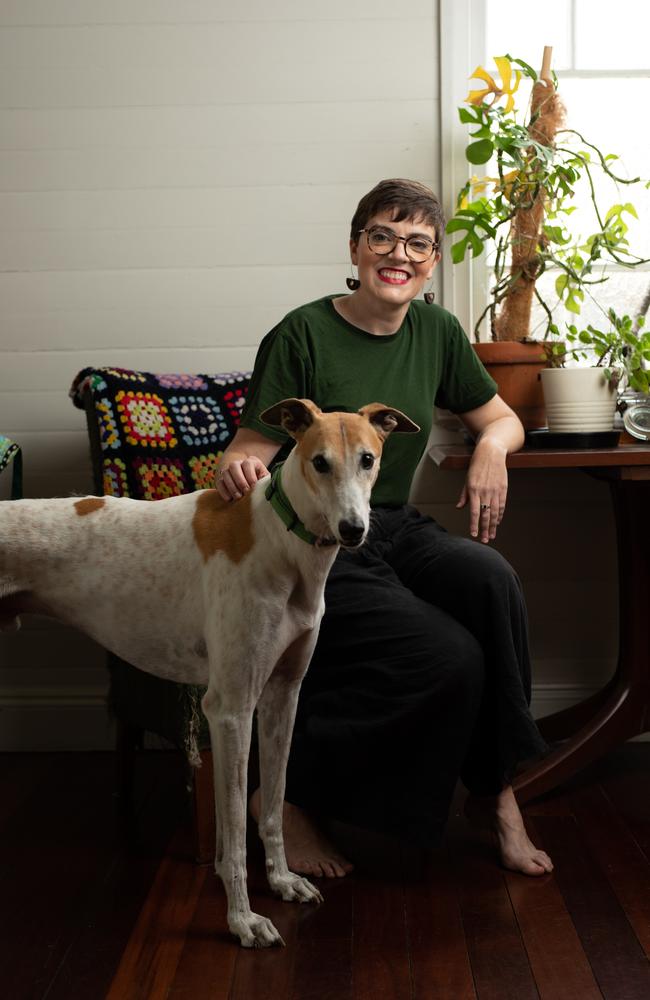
column 421, row 672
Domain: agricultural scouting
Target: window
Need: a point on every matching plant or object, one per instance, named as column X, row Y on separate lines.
column 600, row 57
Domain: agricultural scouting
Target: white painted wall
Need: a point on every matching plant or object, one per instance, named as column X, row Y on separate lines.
column 174, row 176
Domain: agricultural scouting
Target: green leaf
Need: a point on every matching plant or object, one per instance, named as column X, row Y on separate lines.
column 482, row 133
column 468, row 117
column 560, row 284
column 528, row 70
column 639, row 381
column 479, row 152
column 555, row 234
column 574, row 299
column 455, row 224
column 477, row 245
column 458, row 251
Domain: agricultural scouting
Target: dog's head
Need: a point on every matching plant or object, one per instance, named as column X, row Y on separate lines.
column 338, row 455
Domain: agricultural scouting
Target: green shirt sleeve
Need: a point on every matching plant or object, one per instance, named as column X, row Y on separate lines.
column 465, row 384
column 280, row 372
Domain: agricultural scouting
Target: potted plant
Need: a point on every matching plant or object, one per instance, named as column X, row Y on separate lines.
column 580, row 399
column 520, row 212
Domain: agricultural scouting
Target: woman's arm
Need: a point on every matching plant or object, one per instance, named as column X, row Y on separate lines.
column 498, row 431
column 243, row 462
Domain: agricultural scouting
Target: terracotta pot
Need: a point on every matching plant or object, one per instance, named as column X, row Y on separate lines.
column 516, row 367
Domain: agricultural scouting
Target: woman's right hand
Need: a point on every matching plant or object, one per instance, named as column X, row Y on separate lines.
column 244, row 461
column 237, row 477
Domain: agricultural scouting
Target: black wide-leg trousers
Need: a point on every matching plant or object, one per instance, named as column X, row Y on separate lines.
column 421, row 674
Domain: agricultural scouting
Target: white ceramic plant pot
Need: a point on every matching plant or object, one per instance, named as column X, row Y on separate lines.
column 578, row 400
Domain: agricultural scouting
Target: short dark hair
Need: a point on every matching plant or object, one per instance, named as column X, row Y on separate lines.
column 409, row 200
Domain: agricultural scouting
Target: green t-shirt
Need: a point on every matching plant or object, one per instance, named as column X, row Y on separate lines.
column 313, row 353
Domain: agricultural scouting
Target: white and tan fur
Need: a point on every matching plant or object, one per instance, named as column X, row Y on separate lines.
column 205, row 592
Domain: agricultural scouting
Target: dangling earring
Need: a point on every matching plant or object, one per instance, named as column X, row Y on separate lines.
column 429, row 298
column 352, row 283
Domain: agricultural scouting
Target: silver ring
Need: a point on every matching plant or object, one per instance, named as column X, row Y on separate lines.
column 485, row 506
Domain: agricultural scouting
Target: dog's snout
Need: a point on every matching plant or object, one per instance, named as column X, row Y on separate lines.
column 351, row 532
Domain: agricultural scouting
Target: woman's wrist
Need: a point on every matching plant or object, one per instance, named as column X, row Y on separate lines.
column 502, row 436
column 491, row 443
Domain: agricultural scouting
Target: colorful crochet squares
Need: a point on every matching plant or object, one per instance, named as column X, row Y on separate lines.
column 159, row 434
column 199, row 419
column 160, row 477
column 114, row 477
column 203, row 469
column 145, row 419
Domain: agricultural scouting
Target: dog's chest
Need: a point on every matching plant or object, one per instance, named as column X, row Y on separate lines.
column 305, row 605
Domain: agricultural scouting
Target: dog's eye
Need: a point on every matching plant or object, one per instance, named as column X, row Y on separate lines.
column 320, row 464
column 367, row 460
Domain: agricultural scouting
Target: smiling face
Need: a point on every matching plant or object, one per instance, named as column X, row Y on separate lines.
column 392, row 279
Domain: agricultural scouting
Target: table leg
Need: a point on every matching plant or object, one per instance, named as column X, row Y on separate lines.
column 621, row 709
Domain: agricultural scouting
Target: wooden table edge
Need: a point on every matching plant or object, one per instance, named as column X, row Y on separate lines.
column 457, row 456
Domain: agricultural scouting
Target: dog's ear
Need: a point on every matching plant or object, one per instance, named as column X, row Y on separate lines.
column 386, row 419
column 293, row 415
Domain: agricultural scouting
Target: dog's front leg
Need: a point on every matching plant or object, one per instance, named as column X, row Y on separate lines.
column 229, row 713
column 276, row 712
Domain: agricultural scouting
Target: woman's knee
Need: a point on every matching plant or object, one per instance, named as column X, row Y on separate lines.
column 490, row 583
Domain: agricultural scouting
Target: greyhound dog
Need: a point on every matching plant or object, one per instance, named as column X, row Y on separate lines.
column 228, row 595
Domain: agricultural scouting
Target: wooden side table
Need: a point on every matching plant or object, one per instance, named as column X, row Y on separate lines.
column 622, row 708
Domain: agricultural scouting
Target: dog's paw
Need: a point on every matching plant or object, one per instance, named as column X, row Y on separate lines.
column 254, row 931
column 296, row 888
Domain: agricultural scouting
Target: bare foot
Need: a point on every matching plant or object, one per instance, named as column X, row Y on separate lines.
column 502, row 814
column 308, row 850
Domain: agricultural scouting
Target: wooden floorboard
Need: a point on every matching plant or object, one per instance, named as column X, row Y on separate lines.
column 151, row 958
column 440, row 963
column 495, row 948
column 208, row 958
column 95, row 907
column 558, row 963
column 73, row 873
column 607, row 938
column 612, row 846
column 325, row 943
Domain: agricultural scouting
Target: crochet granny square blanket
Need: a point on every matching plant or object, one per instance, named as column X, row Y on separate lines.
column 160, row 434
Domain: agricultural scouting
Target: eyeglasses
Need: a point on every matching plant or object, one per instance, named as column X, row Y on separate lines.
column 417, row 248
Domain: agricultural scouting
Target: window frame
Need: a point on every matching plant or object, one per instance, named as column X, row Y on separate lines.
column 462, row 43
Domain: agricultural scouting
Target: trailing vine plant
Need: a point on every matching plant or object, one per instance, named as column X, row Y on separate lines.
column 521, row 212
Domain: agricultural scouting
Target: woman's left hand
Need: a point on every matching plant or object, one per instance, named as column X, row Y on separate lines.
column 498, row 432
column 485, row 489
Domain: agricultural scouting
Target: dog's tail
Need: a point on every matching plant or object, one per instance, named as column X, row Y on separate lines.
column 193, row 723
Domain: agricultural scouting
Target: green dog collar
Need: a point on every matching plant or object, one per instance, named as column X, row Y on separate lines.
column 281, row 505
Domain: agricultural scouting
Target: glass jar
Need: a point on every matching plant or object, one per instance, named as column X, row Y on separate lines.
column 636, row 414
